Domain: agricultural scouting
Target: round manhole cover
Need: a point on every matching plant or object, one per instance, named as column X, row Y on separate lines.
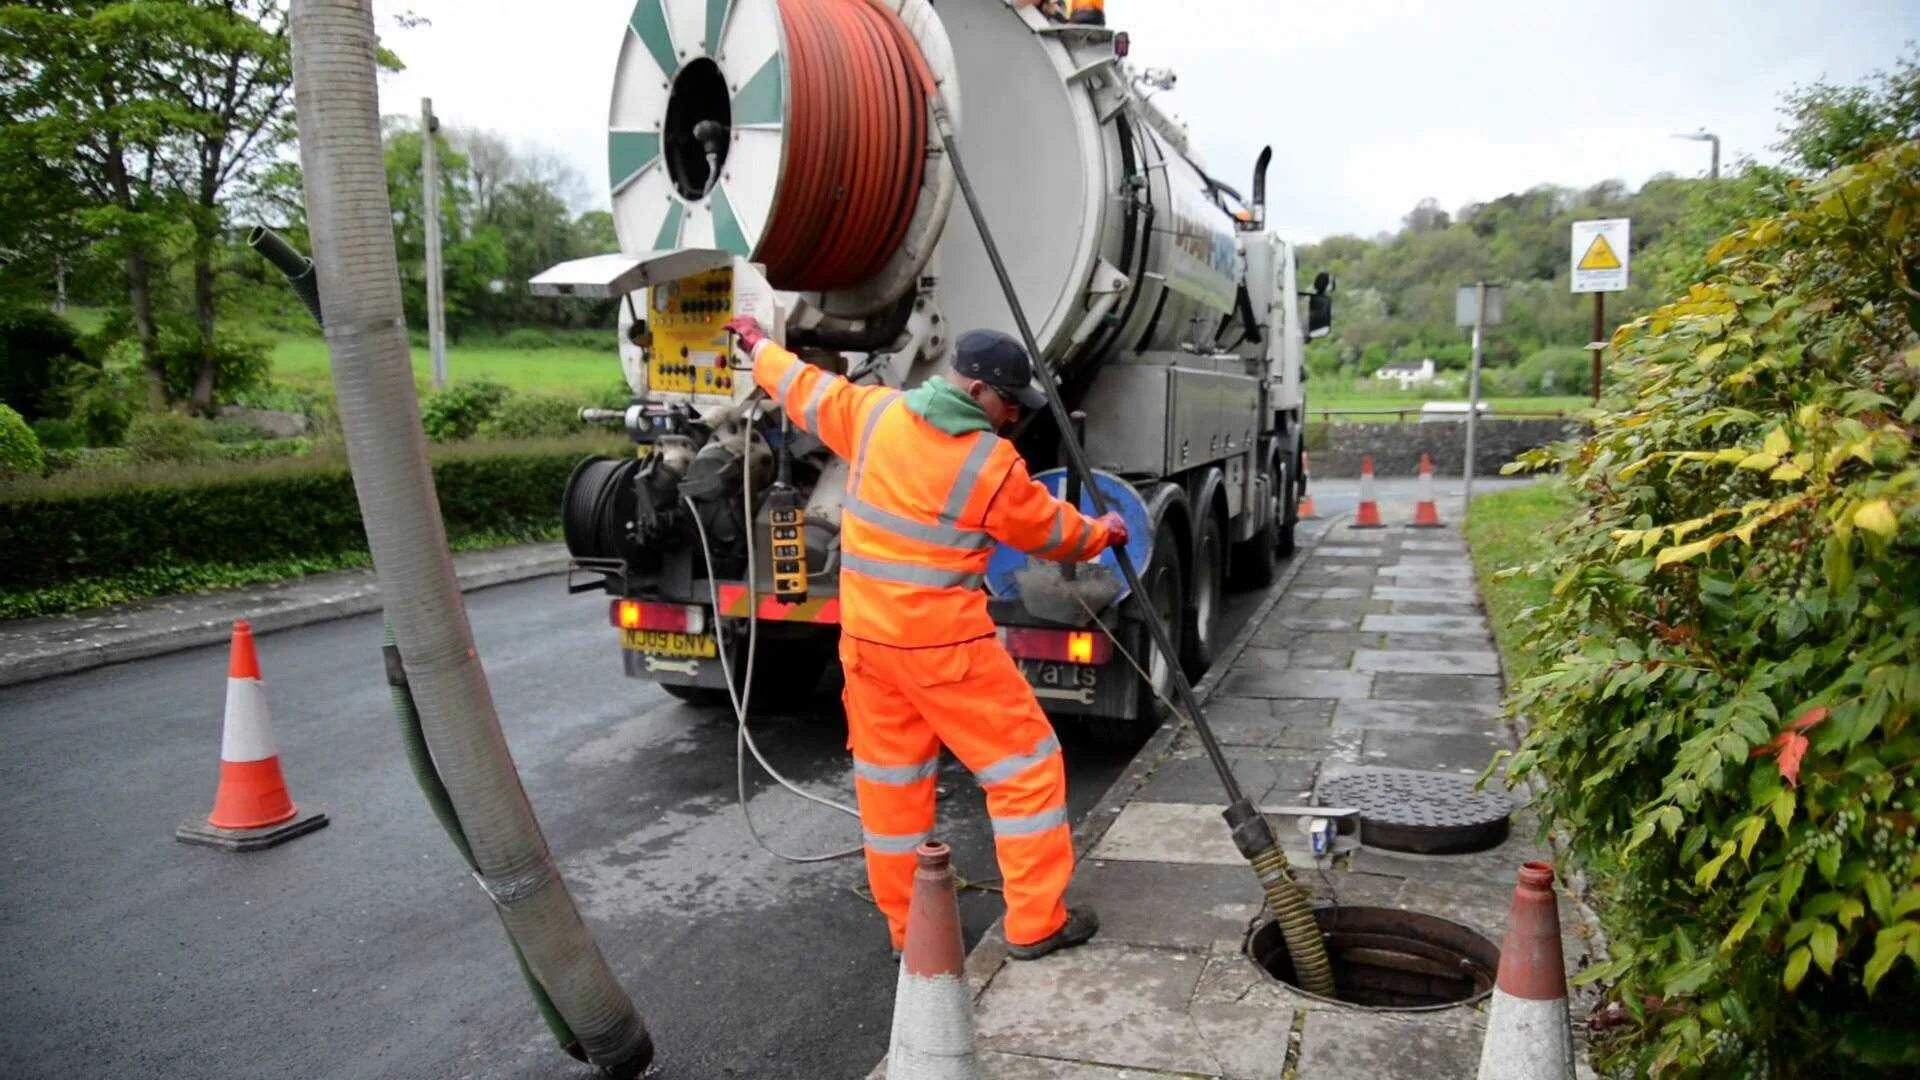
column 1425, row 812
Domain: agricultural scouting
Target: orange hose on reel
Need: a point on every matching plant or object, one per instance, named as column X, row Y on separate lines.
column 857, row 144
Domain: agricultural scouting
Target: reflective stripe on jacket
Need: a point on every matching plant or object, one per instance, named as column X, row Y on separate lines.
column 923, row 508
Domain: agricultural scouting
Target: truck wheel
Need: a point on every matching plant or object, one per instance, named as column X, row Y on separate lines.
column 1165, row 585
column 1256, row 562
column 1197, row 647
column 1289, row 509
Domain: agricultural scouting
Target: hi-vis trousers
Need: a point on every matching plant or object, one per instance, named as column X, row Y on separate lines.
column 902, row 705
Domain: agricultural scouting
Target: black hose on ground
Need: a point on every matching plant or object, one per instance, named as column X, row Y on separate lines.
column 420, row 760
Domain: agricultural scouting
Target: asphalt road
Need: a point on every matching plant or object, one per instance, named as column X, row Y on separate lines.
column 365, row 950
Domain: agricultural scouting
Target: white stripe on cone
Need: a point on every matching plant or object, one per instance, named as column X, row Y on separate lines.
column 1426, row 484
column 932, row 1029
column 1526, row 1040
column 1366, row 484
column 248, row 732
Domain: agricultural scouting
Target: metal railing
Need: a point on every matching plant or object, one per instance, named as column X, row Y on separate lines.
column 1400, row 414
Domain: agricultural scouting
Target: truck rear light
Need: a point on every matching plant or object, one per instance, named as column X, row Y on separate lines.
column 1088, row 647
column 640, row 615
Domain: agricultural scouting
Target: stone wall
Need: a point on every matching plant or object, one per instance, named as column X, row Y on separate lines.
column 1336, row 449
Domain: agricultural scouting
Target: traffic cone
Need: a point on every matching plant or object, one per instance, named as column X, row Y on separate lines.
column 1306, row 501
column 1426, row 515
column 1368, row 516
column 1528, row 1037
column 932, row 1007
column 251, row 809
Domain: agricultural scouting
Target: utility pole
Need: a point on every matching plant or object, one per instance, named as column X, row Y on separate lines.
column 1598, row 342
column 436, row 289
column 1478, row 305
column 1713, row 171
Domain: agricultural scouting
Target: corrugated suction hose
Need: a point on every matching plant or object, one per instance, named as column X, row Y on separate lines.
column 857, row 145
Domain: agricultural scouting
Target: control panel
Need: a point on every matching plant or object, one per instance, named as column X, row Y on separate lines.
column 688, row 319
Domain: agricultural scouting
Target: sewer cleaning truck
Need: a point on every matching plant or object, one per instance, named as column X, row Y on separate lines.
column 781, row 159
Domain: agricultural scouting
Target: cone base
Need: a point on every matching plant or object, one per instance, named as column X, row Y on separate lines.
column 198, row 831
column 1435, row 523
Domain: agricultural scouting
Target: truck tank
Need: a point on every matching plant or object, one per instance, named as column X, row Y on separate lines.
column 781, row 158
column 1114, row 237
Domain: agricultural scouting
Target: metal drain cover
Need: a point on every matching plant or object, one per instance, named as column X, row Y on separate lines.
column 1425, row 812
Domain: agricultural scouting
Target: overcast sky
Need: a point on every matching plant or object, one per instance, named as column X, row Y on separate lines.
column 1370, row 105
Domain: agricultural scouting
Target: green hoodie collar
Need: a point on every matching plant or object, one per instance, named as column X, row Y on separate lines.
column 947, row 407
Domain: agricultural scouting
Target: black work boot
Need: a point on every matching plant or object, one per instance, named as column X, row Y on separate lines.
column 1082, row 923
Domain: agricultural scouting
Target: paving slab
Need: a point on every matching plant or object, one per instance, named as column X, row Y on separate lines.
column 1433, row 716
column 1481, row 642
column 1348, row 551
column 1467, row 754
column 1023, row 1067
column 1331, row 574
column 1100, row 1004
column 1167, row 904
column 1292, row 621
column 1190, row 778
column 1422, row 607
column 1427, row 662
column 1184, row 833
column 1399, row 686
column 1298, row 683
column 1434, row 545
column 1327, row 592
column 1411, row 594
column 1425, row 624
column 1317, row 648
column 1344, row 1045
column 1295, row 724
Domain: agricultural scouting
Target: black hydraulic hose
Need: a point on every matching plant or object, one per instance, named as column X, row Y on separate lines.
column 297, row 267
column 420, row 761
column 1252, row 834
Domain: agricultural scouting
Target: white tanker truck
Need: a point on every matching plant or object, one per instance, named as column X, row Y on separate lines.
column 778, row 158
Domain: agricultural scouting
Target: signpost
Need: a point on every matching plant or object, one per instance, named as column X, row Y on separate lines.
column 1479, row 305
column 1600, row 256
column 436, row 296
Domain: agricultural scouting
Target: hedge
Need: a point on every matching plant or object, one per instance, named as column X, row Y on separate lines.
column 85, row 539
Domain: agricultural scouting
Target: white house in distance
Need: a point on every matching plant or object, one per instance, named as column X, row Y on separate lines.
column 1407, row 375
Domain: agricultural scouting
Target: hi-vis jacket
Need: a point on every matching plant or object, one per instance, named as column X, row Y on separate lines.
column 923, row 508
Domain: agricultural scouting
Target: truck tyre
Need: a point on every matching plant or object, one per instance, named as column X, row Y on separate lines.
column 1206, row 595
column 1289, row 507
column 1164, row 582
column 1256, row 561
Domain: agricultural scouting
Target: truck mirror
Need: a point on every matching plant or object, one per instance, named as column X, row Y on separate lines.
column 1320, row 306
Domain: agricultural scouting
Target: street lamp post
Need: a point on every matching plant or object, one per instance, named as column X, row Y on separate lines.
column 1713, row 171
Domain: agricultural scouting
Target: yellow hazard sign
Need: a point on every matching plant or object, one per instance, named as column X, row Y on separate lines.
column 1599, row 255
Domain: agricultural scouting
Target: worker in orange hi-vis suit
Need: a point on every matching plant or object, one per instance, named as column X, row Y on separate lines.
column 930, row 488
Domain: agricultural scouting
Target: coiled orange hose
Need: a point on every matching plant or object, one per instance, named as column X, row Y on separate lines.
column 857, row 144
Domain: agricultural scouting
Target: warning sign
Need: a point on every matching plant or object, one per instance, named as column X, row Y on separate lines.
column 1600, row 255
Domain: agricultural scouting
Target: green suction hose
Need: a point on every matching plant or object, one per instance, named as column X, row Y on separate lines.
column 420, row 760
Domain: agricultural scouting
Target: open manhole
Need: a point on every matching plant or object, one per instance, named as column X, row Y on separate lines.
column 1424, row 812
column 1389, row 959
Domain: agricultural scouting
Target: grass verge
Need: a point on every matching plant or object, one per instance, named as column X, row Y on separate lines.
column 1508, row 529
column 565, row 370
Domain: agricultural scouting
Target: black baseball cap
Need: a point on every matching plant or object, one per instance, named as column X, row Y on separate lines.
column 998, row 360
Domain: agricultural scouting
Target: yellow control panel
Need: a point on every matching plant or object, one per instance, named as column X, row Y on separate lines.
column 688, row 319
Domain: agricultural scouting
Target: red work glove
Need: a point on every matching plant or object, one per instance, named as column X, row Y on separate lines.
column 1116, row 527
column 750, row 331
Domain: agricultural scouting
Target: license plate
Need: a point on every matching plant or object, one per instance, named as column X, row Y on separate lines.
column 669, row 643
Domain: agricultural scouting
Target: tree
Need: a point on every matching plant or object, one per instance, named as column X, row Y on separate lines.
column 146, row 124
column 1830, row 126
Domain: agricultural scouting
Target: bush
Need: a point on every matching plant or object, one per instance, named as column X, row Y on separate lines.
column 103, row 403
column 1723, row 717
column 37, row 351
column 1556, row 369
column 57, row 434
column 533, row 416
column 168, row 437
column 105, row 536
column 457, row 412
column 239, row 362
column 19, row 449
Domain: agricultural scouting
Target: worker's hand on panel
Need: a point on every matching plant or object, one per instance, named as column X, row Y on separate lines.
column 750, row 331
column 1116, row 527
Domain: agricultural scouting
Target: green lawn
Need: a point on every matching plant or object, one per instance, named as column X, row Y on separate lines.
column 574, row 371
column 1512, row 528
column 1346, row 397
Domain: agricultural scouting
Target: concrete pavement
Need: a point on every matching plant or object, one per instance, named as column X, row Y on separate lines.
column 1376, row 654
